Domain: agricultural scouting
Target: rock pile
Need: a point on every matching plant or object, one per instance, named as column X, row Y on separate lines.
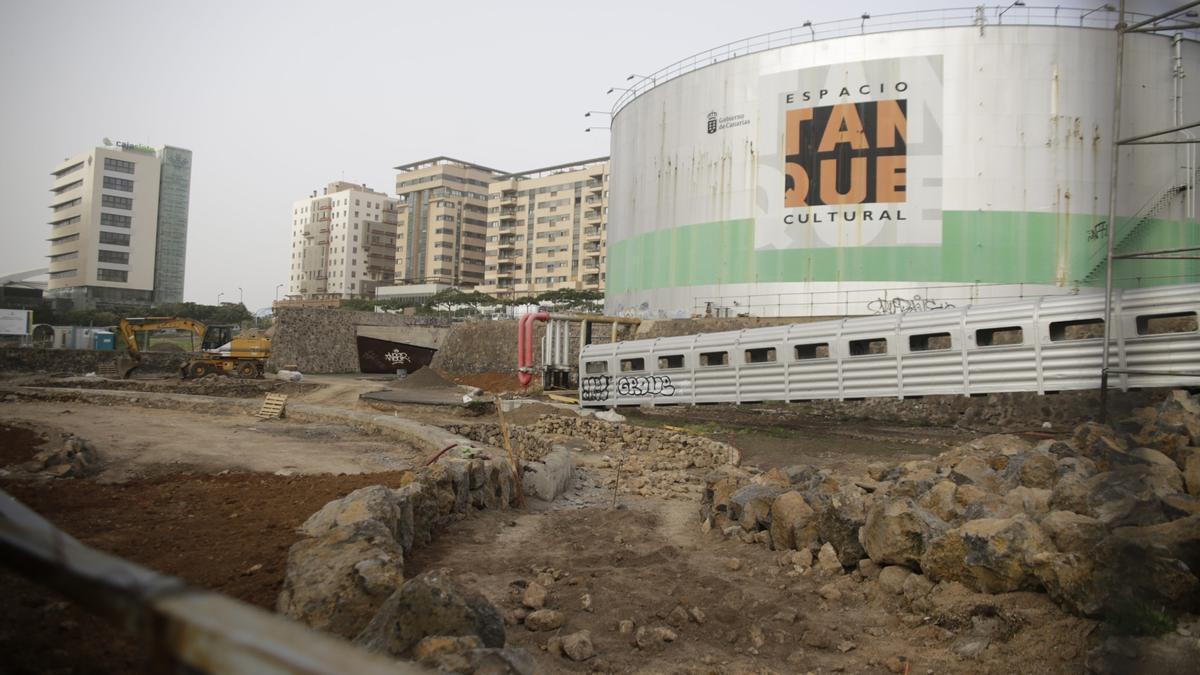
column 74, row 458
column 651, row 462
column 352, row 560
column 1107, row 519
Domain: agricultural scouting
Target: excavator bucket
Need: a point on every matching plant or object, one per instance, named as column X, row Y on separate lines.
column 125, row 366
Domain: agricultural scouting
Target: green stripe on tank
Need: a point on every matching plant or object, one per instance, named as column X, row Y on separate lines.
column 977, row 246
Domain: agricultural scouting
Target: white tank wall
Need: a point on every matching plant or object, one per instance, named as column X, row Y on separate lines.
column 1025, row 128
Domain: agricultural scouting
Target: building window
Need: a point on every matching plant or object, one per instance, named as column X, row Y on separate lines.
column 629, row 365
column 670, row 362
column 868, row 347
column 1160, row 324
column 929, row 342
column 1082, row 329
column 817, row 350
column 118, row 165
column 760, row 355
column 114, row 220
column 115, row 238
column 120, row 257
column 64, row 274
column 122, row 184
column 116, row 202
column 105, row 274
column 995, row 337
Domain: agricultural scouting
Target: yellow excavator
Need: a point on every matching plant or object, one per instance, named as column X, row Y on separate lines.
column 220, row 352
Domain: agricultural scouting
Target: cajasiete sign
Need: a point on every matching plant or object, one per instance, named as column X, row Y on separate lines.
column 860, row 162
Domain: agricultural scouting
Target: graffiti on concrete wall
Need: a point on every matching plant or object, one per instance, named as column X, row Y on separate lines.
column 906, row 305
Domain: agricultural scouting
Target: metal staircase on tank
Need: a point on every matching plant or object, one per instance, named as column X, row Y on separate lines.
column 1171, row 22
column 1124, row 234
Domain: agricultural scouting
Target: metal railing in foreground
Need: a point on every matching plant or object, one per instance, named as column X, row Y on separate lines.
column 182, row 629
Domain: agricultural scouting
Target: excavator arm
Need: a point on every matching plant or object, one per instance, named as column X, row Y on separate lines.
column 129, row 328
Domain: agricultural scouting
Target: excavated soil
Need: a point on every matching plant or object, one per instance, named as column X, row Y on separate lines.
column 211, row 385
column 491, row 382
column 211, row 531
column 640, row 562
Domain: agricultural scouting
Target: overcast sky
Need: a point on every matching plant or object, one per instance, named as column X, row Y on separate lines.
column 275, row 99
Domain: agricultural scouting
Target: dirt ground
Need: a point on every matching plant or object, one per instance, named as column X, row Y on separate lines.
column 640, row 562
column 196, row 495
column 138, row 442
column 209, row 530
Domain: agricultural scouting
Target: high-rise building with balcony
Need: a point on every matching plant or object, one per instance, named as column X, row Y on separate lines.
column 118, row 226
column 546, row 229
column 442, row 217
column 343, row 243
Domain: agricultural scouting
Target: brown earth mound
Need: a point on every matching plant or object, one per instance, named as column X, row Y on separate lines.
column 425, row 378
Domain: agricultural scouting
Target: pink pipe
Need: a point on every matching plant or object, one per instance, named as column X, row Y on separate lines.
column 525, row 345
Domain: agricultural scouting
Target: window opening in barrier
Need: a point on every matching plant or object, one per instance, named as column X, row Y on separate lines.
column 996, row 337
column 709, row 359
column 1163, row 324
column 929, row 342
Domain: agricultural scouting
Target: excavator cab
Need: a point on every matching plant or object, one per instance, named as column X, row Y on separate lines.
column 215, row 336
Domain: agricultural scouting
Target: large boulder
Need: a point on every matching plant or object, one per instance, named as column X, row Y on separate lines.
column 1073, row 532
column 337, row 581
column 1103, row 446
column 1131, row 495
column 751, row 506
column 549, row 477
column 841, row 516
column 1131, row 569
column 719, row 487
column 1191, row 471
column 896, row 532
column 375, row 502
column 940, row 501
column 1038, row 470
column 974, row 470
column 793, row 523
column 991, row 555
column 431, row 604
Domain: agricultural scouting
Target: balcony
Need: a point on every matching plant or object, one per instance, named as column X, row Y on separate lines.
column 592, row 233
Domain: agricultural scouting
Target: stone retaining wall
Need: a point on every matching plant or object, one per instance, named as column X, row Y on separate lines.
column 80, row 361
column 325, row 340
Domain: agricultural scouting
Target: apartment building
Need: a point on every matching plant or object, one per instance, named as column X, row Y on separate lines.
column 546, row 229
column 118, row 225
column 343, row 243
column 442, row 213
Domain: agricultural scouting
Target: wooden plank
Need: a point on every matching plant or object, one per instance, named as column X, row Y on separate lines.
column 273, row 406
column 562, row 399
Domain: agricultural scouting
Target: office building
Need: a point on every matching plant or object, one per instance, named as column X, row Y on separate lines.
column 118, row 226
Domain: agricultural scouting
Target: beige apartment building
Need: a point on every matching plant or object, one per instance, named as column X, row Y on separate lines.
column 442, row 214
column 343, row 243
column 118, row 226
column 546, row 229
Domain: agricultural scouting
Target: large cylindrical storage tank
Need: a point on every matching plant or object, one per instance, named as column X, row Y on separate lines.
column 899, row 171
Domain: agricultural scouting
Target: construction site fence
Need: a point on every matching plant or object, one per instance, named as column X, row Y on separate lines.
column 181, row 629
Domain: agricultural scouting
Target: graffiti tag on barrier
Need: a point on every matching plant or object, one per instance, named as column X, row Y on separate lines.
column 595, row 388
column 397, row 357
column 906, row 305
column 1098, row 230
column 645, row 385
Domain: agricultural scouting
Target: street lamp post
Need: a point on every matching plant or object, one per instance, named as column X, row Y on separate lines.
column 277, row 287
column 241, row 296
column 219, row 298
